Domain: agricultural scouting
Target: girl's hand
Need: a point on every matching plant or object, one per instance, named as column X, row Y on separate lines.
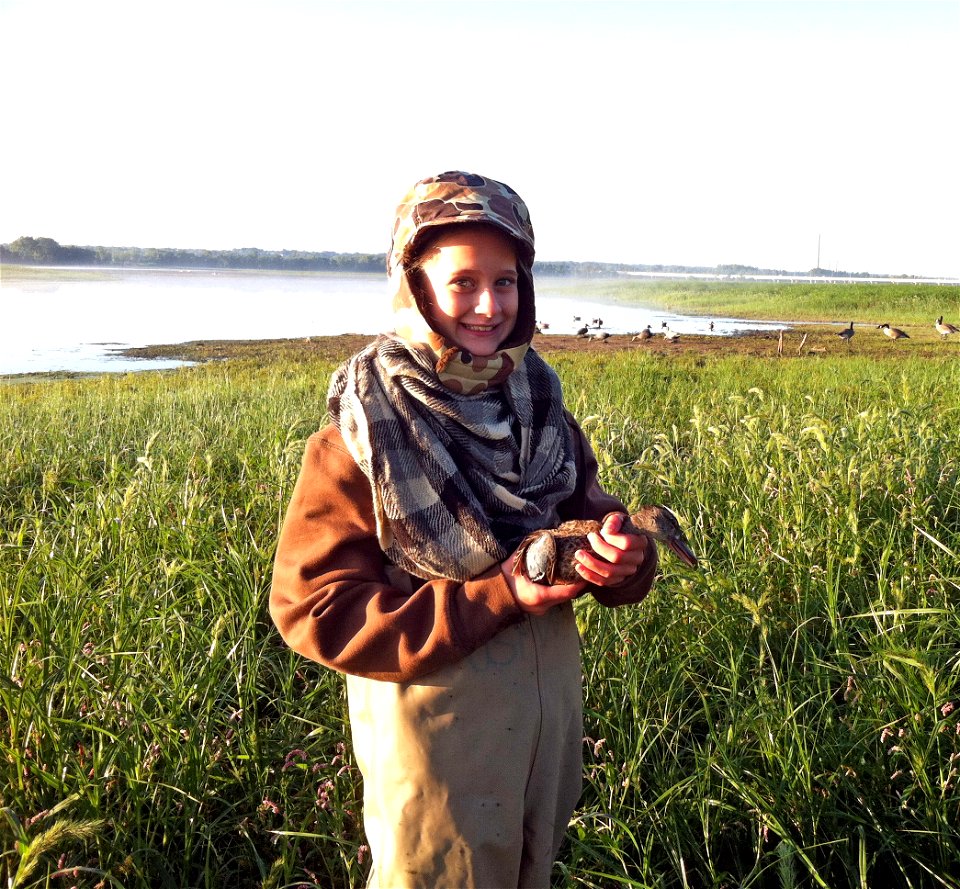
column 615, row 556
column 535, row 598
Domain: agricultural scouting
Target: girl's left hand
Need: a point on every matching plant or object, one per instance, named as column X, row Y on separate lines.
column 620, row 555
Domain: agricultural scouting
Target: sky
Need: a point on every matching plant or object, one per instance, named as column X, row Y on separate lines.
column 765, row 134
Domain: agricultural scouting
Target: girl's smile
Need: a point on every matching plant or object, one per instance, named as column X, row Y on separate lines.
column 471, row 274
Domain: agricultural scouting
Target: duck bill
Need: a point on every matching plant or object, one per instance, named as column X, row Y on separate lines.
column 683, row 552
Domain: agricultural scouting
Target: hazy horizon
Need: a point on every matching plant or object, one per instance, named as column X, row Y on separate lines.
column 539, row 259
column 657, row 133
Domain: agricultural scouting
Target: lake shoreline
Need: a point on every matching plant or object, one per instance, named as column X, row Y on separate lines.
column 69, row 326
column 342, row 346
column 813, row 340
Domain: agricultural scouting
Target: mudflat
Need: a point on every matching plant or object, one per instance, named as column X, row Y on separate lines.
column 808, row 341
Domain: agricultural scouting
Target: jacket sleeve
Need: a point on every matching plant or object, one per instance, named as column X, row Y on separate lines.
column 590, row 501
column 332, row 598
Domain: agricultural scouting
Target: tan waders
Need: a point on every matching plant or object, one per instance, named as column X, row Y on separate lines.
column 472, row 773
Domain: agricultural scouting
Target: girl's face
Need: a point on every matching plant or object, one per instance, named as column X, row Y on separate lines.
column 471, row 276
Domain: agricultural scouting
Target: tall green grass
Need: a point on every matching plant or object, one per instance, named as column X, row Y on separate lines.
column 786, row 717
column 782, row 717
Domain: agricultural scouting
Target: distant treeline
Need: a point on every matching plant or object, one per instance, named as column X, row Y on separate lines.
column 46, row 251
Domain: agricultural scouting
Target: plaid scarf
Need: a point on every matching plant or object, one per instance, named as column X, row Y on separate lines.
column 457, row 479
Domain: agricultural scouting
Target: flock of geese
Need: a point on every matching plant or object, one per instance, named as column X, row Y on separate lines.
column 645, row 334
column 600, row 335
column 895, row 333
column 593, row 331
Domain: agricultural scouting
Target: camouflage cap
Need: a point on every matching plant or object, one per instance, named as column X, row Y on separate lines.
column 457, row 197
column 454, row 197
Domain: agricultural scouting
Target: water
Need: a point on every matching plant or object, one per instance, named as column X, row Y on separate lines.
column 78, row 320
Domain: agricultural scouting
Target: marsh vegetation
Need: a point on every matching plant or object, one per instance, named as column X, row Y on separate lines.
column 788, row 715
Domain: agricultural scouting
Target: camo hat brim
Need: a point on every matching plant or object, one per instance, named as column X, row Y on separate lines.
column 457, row 197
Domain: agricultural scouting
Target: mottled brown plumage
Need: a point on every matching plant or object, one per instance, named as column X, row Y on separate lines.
column 548, row 556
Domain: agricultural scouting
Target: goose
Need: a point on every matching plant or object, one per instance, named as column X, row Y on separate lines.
column 895, row 333
column 847, row 334
column 945, row 329
column 549, row 556
column 644, row 334
column 671, row 336
column 583, row 331
column 600, row 337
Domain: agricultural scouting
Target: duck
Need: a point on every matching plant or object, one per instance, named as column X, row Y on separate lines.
column 549, row 556
column 644, row 334
column 945, row 329
column 847, row 334
column 895, row 333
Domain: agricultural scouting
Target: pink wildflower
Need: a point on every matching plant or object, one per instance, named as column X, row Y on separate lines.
column 293, row 754
column 323, row 794
column 270, row 805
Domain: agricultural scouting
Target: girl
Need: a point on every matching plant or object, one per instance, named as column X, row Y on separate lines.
column 448, row 443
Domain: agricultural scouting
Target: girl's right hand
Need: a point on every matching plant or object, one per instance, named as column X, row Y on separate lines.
column 534, row 598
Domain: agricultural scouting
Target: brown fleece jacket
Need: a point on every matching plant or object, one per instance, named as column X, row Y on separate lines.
column 336, row 600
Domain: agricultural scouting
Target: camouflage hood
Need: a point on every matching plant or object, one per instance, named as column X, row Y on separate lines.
column 448, row 199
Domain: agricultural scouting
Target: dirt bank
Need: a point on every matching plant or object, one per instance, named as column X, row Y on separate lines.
column 810, row 342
